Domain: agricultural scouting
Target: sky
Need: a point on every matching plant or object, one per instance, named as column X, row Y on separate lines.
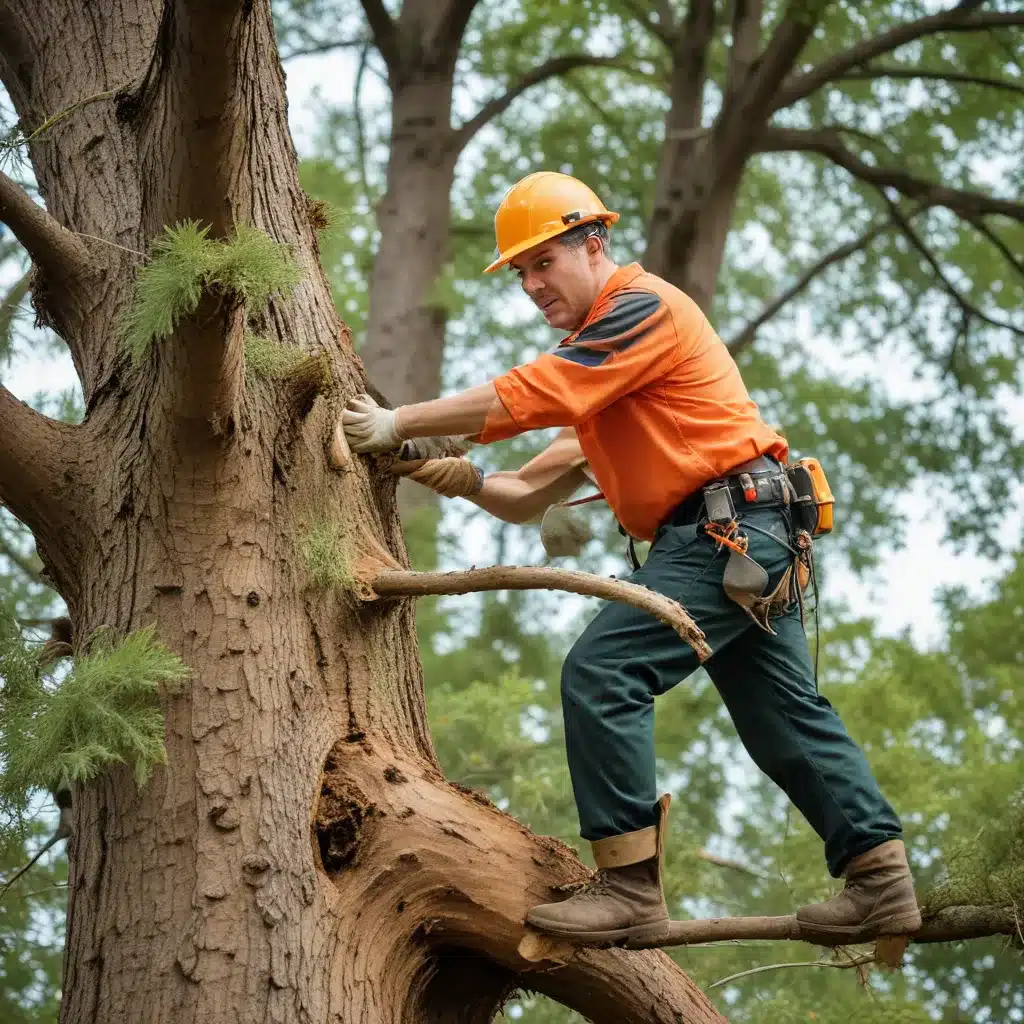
column 900, row 596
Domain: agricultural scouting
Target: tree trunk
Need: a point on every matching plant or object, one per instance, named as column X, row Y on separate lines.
column 301, row 857
column 406, row 331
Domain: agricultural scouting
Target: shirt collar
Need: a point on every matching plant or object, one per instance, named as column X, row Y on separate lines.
column 621, row 278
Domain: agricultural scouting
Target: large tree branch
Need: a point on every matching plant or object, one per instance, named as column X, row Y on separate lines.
column 541, row 73
column 746, row 42
column 385, row 33
column 36, row 454
column 57, row 252
column 829, row 143
column 962, row 18
column 751, row 104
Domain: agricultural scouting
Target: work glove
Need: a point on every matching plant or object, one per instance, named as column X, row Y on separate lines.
column 369, row 428
column 451, row 477
column 563, row 532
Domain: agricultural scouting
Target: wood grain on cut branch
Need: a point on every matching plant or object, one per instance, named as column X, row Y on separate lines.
column 962, row 18
column 55, row 249
column 828, row 142
column 408, row 583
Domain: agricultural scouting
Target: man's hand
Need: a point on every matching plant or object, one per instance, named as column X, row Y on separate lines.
column 369, row 428
column 451, row 478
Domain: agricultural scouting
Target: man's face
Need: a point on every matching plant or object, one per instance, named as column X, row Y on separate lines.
column 563, row 283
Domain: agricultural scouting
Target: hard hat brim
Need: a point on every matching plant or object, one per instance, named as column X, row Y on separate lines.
column 545, row 236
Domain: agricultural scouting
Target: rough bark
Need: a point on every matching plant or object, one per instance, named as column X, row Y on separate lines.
column 301, row 857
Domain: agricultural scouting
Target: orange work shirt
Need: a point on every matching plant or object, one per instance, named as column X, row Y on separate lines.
column 656, row 399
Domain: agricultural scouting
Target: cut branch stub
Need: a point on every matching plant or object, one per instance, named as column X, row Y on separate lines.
column 383, row 581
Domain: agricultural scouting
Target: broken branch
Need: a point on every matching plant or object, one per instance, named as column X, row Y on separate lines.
column 55, row 249
column 387, row 582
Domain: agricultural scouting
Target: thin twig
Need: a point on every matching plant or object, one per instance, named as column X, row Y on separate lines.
column 725, row 862
column 61, row 833
column 859, row 962
column 115, row 245
column 978, row 223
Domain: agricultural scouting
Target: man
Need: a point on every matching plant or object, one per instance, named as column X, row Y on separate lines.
column 653, row 405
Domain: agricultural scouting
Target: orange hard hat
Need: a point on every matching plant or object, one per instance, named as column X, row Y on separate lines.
column 541, row 206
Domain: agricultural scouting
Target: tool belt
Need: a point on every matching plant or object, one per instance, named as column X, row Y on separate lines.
column 763, row 482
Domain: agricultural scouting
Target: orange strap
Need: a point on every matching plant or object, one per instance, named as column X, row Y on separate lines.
column 728, row 536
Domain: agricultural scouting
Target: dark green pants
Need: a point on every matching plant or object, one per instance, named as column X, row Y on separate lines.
column 625, row 658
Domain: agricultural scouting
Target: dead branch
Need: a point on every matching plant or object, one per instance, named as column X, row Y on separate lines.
column 829, row 143
column 388, row 582
column 55, row 249
column 963, row 18
column 385, row 34
column 321, row 47
column 542, row 73
column 875, row 72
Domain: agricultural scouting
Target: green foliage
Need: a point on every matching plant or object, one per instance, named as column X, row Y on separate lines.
column 105, row 711
column 270, row 360
column 31, row 928
column 325, row 550
column 186, row 263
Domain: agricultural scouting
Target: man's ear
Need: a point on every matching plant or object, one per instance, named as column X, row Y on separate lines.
column 595, row 249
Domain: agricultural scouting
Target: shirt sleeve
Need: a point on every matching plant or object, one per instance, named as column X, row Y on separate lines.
column 630, row 345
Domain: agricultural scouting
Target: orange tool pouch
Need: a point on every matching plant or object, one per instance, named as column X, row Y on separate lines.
column 812, row 501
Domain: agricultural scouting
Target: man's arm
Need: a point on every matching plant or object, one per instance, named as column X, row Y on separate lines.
column 517, row 496
column 523, row 494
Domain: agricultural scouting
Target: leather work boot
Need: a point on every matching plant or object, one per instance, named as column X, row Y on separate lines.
column 877, row 899
column 624, row 899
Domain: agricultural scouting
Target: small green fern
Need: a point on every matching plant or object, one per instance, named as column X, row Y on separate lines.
column 105, row 711
column 186, row 263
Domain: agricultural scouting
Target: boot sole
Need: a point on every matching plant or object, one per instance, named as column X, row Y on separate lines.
column 654, row 932
column 902, row 924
